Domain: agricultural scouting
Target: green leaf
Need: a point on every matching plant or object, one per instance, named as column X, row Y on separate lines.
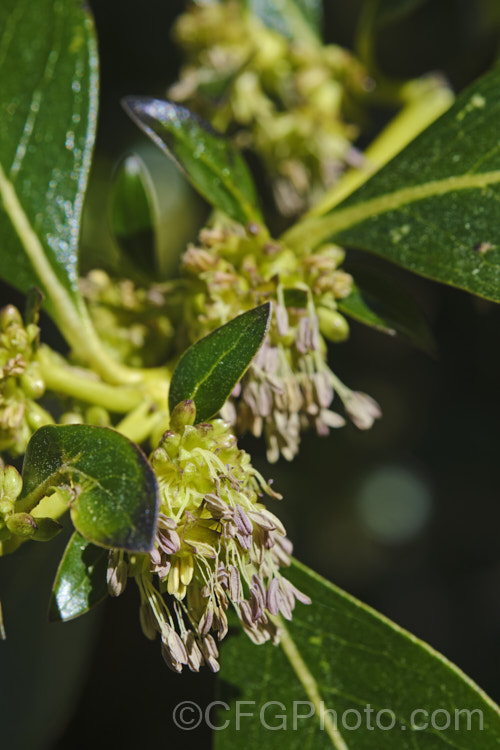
column 214, row 167
column 294, row 19
column 114, row 494
column 377, row 302
column 48, row 104
column 132, row 213
column 208, row 371
column 80, row 582
column 434, row 208
column 340, row 655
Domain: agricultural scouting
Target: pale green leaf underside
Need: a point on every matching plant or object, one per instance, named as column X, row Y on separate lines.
column 48, row 104
column 435, row 208
column 340, row 654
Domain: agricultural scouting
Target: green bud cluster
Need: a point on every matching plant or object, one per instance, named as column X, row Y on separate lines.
column 233, row 270
column 130, row 320
column 216, row 546
column 21, row 382
column 295, row 103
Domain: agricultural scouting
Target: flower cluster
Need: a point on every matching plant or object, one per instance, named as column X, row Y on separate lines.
column 130, row 320
column 216, row 544
column 21, row 382
column 11, row 485
column 289, row 385
column 294, row 102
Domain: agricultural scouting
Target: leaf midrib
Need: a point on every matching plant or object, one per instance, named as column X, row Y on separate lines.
column 309, row 233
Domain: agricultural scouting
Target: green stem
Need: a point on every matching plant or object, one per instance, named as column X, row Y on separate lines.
column 76, row 383
column 140, row 423
column 427, row 99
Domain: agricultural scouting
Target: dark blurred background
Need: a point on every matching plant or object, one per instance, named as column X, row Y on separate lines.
column 405, row 516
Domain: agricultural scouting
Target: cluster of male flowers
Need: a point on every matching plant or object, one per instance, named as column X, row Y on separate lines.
column 216, row 544
column 296, row 103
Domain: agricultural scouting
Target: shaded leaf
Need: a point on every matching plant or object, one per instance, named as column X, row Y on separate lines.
column 386, row 11
column 434, row 208
column 114, row 500
column 340, row 655
column 208, row 371
column 214, row 167
column 377, row 302
column 48, row 103
column 294, row 19
column 80, row 582
column 44, row 666
column 132, row 213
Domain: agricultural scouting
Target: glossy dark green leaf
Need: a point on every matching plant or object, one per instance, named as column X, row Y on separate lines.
column 80, row 582
column 48, row 104
column 132, row 213
column 208, row 371
column 434, row 208
column 214, row 167
column 377, row 302
column 294, row 19
column 340, row 655
column 115, row 495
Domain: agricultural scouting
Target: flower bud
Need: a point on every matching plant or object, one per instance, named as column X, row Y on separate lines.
column 184, row 414
column 97, row 415
column 12, row 483
column 6, row 507
column 32, row 382
column 10, row 315
column 332, row 324
column 22, row 524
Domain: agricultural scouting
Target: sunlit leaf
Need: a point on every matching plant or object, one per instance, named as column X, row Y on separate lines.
column 48, row 103
column 208, row 371
column 113, row 492
column 212, row 164
column 434, row 208
column 338, row 655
